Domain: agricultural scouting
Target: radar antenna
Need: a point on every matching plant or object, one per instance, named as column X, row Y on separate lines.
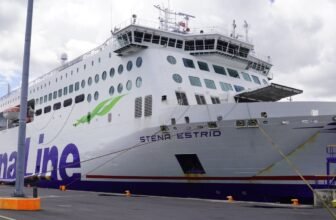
column 233, row 33
column 246, row 27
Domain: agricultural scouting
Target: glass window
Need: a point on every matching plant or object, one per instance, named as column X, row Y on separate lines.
column 264, row 81
column 89, row 98
column 239, row 88
column 76, row 86
column 45, row 98
column 203, row 66
column 215, row 100
column 177, row 78
column 79, row 98
column 226, row 86
column 200, row 100
column 50, row 97
column 67, row 102
column 195, row 81
column 47, row 109
column 60, row 92
column 181, row 98
column 54, row 95
column 89, row 81
column 57, row 106
column 219, row 69
column 179, row 44
column 233, row 73
column 256, row 79
column 96, row 95
column 83, row 83
column 65, row 90
column 104, row 75
column 246, row 76
column 96, row 78
column 120, row 88
column 138, row 82
column 71, row 88
column 129, row 85
column 41, row 100
column 210, row 83
column 138, row 61
column 129, row 65
column 120, row 69
column 171, row 60
column 112, row 71
column 111, row 90
column 188, row 63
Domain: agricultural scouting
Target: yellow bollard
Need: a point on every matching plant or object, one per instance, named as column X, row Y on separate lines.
column 128, row 193
column 62, row 187
column 230, row 198
column 295, row 202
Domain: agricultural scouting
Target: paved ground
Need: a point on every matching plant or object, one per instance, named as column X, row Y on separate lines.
column 91, row 205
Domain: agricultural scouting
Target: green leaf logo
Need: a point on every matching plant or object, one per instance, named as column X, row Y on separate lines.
column 100, row 110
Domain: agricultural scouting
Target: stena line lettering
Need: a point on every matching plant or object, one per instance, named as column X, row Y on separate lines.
column 46, row 158
column 182, row 135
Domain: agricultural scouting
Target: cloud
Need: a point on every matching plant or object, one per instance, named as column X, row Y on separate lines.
column 298, row 35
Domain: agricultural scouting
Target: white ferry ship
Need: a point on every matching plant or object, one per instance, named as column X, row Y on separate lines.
column 167, row 111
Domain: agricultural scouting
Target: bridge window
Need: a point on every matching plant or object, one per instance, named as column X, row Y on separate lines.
column 195, row 81
column 233, row 49
column 203, row 66
column 164, row 40
column 171, row 42
column 256, row 79
column 189, row 45
column 200, row 100
column 222, row 45
column 210, row 83
column 188, row 63
column 219, row 69
column 181, row 98
column 199, row 45
column 226, row 86
column 233, row 73
column 156, row 39
column 179, row 44
column 239, row 88
column 209, row 44
column 246, row 76
column 147, row 37
column 138, row 36
column 243, row 52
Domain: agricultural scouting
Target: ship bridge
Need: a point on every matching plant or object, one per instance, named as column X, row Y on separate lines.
column 213, row 45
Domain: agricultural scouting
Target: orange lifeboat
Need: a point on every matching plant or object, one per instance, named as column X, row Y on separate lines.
column 12, row 113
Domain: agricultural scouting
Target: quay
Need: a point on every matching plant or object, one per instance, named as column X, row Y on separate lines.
column 56, row 204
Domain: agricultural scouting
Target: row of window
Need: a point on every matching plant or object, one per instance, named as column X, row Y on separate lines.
column 200, row 99
column 188, row 63
column 209, row 83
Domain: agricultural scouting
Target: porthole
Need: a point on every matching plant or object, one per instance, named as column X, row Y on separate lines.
column 120, row 88
column 104, row 75
column 138, row 62
column 111, row 90
column 138, row 82
column 129, row 65
column 171, row 60
column 83, row 83
column 129, row 85
column 96, row 95
column 89, row 81
column 177, row 78
column 89, row 97
column 96, row 78
column 112, row 71
column 120, row 69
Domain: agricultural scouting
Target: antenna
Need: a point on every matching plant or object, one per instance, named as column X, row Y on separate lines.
column 246, row 26
column 233, row 34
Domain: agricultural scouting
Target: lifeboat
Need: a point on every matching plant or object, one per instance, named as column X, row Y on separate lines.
column 12, row 113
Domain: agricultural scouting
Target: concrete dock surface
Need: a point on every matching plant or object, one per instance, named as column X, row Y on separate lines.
column 81, row 205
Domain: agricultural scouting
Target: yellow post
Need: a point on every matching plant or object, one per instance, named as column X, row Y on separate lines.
column 128, row 193
column 295, row 202
column 230, row 198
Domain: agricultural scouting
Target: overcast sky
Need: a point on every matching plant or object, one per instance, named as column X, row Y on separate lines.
column 299, row 35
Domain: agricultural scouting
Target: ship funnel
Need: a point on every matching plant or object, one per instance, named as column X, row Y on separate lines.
column 64, row 58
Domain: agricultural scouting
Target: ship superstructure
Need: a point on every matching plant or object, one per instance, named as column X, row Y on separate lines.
column 155, row 108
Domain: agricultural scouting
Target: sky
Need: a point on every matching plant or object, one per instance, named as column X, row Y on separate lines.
column 299, row 35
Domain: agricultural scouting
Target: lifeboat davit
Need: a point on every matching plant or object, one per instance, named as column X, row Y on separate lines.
column 12, row 113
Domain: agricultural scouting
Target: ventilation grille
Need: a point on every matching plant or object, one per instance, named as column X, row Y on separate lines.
column 138, row 107
column 148, row 105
